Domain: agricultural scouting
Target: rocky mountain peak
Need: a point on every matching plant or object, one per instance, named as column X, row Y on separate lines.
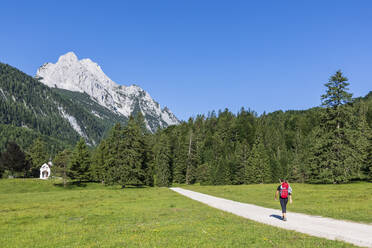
column 84, row 75
column 69, row 57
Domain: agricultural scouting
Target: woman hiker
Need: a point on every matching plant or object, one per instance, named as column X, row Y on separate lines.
column 284, row 191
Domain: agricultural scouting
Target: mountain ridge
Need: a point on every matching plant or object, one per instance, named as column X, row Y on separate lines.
column 86, row 76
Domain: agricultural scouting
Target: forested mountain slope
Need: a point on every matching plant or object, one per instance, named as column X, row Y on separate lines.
column 26, row 103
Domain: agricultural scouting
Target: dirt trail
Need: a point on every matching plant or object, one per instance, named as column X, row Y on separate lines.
column 351, row 232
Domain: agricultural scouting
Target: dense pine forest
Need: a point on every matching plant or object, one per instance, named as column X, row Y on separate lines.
column 327, row 144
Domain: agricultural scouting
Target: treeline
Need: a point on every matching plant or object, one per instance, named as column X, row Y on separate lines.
column 327, row 144
column 16, row 162
column 125, row 157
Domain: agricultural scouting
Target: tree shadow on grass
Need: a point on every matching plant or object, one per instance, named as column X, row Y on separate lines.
column 276, row 216
column 134, row 187
column 71, row 185
column 127, row 187
column 84, row 184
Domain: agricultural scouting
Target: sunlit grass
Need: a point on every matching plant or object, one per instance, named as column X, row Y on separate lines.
column 35, row 213
column 345, row 201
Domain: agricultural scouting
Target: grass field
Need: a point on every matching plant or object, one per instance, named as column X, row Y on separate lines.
column 346, row 201
column 36, row 213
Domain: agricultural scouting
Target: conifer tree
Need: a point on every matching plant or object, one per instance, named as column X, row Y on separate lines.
column 244, row 126
column 369, row 161
column 257, row 169
column 333, row 158
column 39, row 155
column 140, row 122
column 180, row 153
column 362, row 141
column 203, row 172
column 13, row 159
column 162, row 162
column 147, row 154
column 336, row 95
column 148, row 159
column 98, row 161
column 107, row 157
column 60, row 164
column 219, row 173
column 80, row 162
column 131, row 166
column 369, row 155
column 296, row 164
column 2, row 170
column 191, row 162
column 241, row 155
column 125, row 156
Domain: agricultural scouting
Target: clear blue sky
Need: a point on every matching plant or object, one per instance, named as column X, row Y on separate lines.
column 197, row 56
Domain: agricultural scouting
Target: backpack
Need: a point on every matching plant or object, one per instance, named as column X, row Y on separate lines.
column 284, row 190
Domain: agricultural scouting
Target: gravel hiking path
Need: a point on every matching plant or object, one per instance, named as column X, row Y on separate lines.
column 347, row 231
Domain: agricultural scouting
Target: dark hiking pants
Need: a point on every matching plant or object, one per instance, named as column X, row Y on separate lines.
column 283, row 203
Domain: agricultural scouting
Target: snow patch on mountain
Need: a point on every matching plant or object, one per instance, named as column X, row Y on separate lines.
column 73, row 122
column 84, row 75
column 96, row 114
column 3, row 94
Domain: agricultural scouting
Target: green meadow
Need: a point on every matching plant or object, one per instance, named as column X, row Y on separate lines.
column 339, row 201
column 35, row 213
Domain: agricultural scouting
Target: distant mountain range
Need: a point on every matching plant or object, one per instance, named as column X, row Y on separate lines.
column 68, row 100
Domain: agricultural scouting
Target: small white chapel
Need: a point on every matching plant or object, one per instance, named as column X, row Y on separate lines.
column 45, row 170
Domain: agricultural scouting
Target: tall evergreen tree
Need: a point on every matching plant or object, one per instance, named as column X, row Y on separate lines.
column 369, row 161
column 13, row 160
column 162, row 162
column 39, row 155
column 204, row 174
column 147, row 154
column 257, row 169
column 98, row 162
column 191, row 161
column 80, row 162
column 140, row 122
column 333, row 158
column 336, row 95
column 131, row 166
column 361, row 143
column 107, row 157
column 296, row 164
column 125, row 157
column 369, row 155
column 180, row 153
column 148, row 159
column 219, row 173
column 60, row 165
column 241, row 154
column 1, row 168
